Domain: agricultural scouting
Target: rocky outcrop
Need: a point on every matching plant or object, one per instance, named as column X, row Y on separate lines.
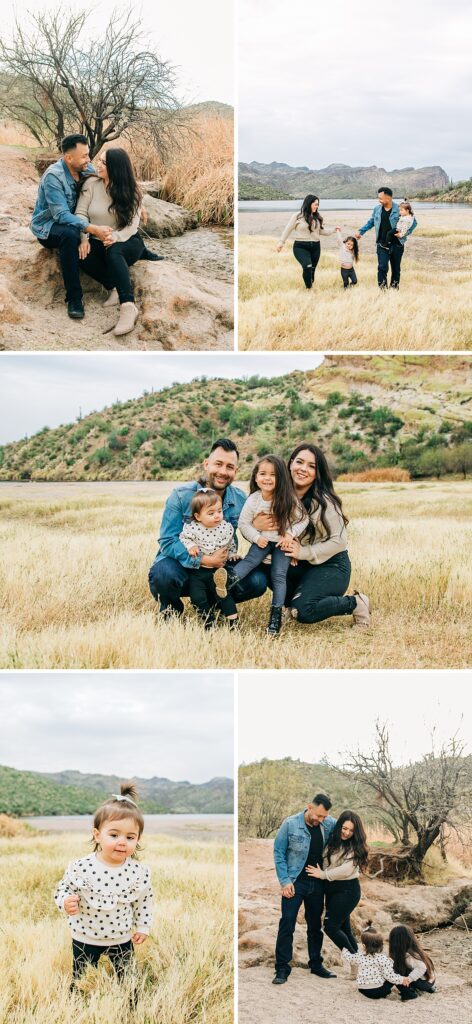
column 166, row 219
column 339, row 180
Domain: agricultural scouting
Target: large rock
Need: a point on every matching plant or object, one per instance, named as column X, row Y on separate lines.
column 166, row 219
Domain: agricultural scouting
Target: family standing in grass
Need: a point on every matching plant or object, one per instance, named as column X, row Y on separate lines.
column 393, row 224
column 318, row 861
column 294, row 522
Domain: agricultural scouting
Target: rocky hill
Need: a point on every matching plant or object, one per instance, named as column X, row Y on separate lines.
column 337, row 181
column 73, row 792
column 363, row 411
column 461, row 192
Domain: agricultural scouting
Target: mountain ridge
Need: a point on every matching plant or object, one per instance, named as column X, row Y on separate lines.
column 337, row 180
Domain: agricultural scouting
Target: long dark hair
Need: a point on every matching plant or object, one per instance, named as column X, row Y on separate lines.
column 356, row 846
column 284, row 502
column 355, row 246
column 321, row 490
column 402, row 940
column 307, row 212
column 126, row 195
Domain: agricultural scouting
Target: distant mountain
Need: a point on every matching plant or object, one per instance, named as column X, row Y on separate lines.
column 337, row 181
column 211, row 107
column 460, row 192
column 73, row 792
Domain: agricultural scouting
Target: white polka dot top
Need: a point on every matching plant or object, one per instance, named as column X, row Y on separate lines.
column 114, row 902
column 373, row 969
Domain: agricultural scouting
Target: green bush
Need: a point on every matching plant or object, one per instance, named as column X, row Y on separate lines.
column 102, row 455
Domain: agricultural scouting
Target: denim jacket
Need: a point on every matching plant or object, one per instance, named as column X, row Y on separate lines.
column 57, row 198
column 374, row 222
column 292, row 843
column 177, row 512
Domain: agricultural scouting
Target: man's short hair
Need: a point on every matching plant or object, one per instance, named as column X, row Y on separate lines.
column 322, row 799
column 386, row 189
column 71, row 141
column 226, row 444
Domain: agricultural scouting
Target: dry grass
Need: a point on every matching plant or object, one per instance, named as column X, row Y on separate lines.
column 376, row 476
column 433, row 308
column 184, row 973
column 14, row 135
column 73, row 584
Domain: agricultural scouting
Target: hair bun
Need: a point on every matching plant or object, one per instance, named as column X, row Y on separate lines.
column 128, row 790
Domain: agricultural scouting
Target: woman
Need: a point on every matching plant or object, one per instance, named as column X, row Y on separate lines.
column 112, row 200
column 308, row 226
column 344, row 857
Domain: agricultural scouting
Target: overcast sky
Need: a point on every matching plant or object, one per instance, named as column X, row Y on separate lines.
column 361, row 84
column 48, row 389
column 305, row 715
column 177, row 725
column 197, row 38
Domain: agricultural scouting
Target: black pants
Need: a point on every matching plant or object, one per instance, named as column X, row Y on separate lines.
column 348, row 276
column 317, row 591
column 202, row 592
column 109, row 264
column 278, row 569
column 120, row 956
column 386, row 255
column 341, row 900
column 377, row 993
column 308, row 255
column 311, row 893
column 66, row 238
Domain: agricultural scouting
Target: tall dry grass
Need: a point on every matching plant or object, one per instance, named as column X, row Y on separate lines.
column 73, row 585
column 184, row 970
column 376, row 476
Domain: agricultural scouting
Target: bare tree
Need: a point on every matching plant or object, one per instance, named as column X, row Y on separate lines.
column 55, row 81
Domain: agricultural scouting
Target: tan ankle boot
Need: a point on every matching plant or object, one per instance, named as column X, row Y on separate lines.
column 128, row 316
column 361, row 613
column 112, row 299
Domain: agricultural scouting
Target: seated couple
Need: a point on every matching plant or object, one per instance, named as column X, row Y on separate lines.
column 92, row 217
column 318, row 861
column 294, row 523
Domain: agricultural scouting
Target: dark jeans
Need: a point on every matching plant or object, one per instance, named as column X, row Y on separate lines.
column 341, row 899
column 348, row 276
column 202, row 592
column 120, row 956
column 421, row 985
column 109, row 264
column 377, row 993
column 66, row 238
column 316, row 591
column 311, row 893
column 169, row 581
column 308, row 255
column 278, row 569
column 389, row 255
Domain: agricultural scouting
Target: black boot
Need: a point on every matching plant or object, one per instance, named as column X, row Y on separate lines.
column 75, row 309
column 275, row 621
column 322, row 972
column 280, row 978
column 148, row 254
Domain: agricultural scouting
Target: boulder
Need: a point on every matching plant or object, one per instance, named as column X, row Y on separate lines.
column 151, row 188
column 166, row 219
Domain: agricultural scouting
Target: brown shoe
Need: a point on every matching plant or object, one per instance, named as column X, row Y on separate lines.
column 220, row 577
column 361, row 613
column 128, row 316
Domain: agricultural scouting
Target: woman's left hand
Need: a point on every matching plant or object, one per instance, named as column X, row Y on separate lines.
column 291, row 546
column 312, row 871
column 84, row 249
column 138, row 938
column 109, row 240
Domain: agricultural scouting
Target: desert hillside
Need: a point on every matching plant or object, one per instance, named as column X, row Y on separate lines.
column 337, row 181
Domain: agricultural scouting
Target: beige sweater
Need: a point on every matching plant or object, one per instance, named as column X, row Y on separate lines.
column 93, row 203
column 324, row 546
column 298, row 224
column 340, row 869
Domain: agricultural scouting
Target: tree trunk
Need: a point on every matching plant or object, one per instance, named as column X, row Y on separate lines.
column 394, row 865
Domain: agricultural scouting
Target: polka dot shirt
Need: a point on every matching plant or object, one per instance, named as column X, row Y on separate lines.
column 114, row 902
column 373, row 970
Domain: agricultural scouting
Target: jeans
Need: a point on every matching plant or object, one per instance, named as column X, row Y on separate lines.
column 316, row 591
column 66, row 238
column 341, row 900
column 202, row 592
column 169, row 581
column 377, row 993
column 120, row 956
column 311, row 893
column 278, row 569
column 389, row 255
column 348, row 276
column 308, row 255
column 109, row 264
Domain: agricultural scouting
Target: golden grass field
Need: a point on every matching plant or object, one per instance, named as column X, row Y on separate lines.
column 184, row 973
column 74, row 593
column 432, row 310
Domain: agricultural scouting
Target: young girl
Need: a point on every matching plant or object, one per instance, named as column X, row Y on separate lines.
column 410, row 958
column 271, row 491
column 206, row 532
column 349, row 253
column 405, row 220
column 376, row 975
column 107, row 895
column 308, row 227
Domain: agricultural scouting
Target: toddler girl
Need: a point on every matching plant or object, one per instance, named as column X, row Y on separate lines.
column 410, row 958
column 271, row 491
column 349, row 253
column 206, row 532
column 107, row 895
column 404, row 223
column 376, row 975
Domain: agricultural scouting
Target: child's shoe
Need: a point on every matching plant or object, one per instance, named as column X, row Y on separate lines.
column 224, row 580
column 275, row 621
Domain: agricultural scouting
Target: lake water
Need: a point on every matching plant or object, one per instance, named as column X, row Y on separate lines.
column 185, row 827
column 290, row 205
column 208, row 251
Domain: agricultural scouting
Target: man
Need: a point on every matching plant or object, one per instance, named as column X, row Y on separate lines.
column 169, row 573
column 385, row 218
column 54, row 222
column 298, row 843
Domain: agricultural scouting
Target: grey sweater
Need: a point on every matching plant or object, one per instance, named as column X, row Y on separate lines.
column 299, row 226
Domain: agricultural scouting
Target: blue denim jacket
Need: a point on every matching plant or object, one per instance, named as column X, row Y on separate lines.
column 177, row 512
column 292, row 843
column 374, row 222
column 57, row 198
